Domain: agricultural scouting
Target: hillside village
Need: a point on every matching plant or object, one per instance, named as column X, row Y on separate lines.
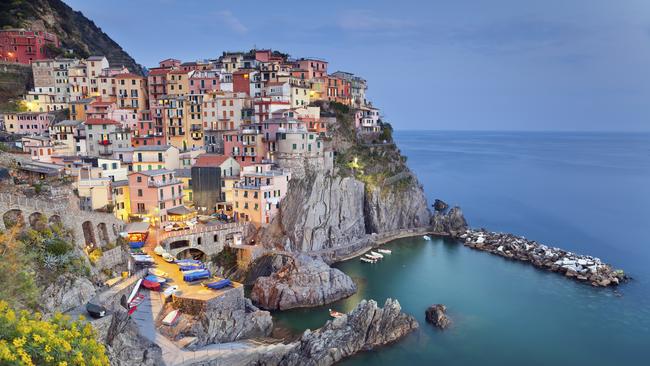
column 138, row 146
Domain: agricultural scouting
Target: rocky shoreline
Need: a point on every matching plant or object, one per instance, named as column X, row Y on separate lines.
column 582, row 268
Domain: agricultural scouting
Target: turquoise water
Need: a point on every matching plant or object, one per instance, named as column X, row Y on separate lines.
column 584, row 192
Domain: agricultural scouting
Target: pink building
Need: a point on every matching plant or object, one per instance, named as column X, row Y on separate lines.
column 264, row 107
column 24, row 46
column 100, row 108
column 204, row 81
column 153, row 193
column 245, row 146
column 30, row 123
column 313, row 67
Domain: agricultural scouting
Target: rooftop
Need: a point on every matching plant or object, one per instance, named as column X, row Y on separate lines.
column 101, row 121
column 153, row 173
column 152, row 148
column 210, row 160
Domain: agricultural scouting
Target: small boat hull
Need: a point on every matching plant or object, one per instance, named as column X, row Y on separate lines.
column 384, row 251
column 377, row 254
column 170, row 318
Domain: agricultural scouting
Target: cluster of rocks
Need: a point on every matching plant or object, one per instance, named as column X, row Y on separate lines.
column 580, row 267
column 302, row 282
column 437, row 315
column 366, row 327
column 447, row 221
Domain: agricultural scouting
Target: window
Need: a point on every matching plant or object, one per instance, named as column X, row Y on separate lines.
column 138, row 179
column 215, row 238
column 139, row 192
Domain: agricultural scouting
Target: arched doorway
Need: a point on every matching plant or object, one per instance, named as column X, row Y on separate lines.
column 102, row 234
column 192, row 253
column 55, row 220
column 89, row 233
column 37, row 221
column 12, row 218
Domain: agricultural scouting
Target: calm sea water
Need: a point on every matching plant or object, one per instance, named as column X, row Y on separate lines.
column 588, row 193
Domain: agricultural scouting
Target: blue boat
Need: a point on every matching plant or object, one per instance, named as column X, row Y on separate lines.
column 154, row 278
column 196, row 275
column 136, row 244
column 218, row 284
column 185, row 262
column 190, row 267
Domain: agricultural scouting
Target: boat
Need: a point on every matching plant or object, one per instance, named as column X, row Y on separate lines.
column 154, row 278
column 168, row 257
column 187, row 261
column 96, row 311
column 134, row 291
column 335, row 314
column 190, row 267
column 217, row 285
column 171, row 290
column 136, row 301
column 170, row 318
column 196, row 275
column 384, row 251
column 368, row 260
column 151, row 285
column 426, row 237
column 159, row 250
column 157, row 272
column 377, row 254
column 373, row 257
column 142, row 258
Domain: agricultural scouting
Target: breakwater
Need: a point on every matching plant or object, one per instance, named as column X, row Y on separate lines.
column 582, row 268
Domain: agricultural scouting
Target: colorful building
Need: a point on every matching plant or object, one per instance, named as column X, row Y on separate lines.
column 153, row 193
column 25, row 45
column 28, row 123
column 258, row 193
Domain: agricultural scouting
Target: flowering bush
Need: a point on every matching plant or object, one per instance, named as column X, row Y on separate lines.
column 26, row 339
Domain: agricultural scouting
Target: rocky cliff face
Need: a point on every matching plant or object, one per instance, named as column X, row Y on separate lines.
column 221, row 325
column 75, row 31
column 66, row 293
column 392, row 209
column 449, row 222
column 301, row 283
column 363, row 329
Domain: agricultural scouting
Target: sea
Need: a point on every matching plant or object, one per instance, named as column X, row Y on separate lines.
column 584, row 192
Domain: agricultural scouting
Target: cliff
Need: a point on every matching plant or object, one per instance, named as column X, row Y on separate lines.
column 369, row 189
column 75, row 31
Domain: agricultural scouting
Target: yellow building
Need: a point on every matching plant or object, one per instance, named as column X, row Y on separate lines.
column 131, row 92
column 121, row 200
column 300, row 92
column 185, row 176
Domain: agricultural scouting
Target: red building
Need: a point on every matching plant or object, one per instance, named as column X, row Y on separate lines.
column 24, row 46
column 241, row 82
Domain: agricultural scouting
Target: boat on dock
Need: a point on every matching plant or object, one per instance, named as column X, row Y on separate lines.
column 335, row 314
column 377, row 254
column 385, row 251
column 426, row 237
column 368, row 260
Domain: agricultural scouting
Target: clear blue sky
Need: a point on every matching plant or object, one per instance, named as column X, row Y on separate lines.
column 446, row 65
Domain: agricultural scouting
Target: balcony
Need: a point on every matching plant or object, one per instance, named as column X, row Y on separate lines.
column 104, row 142
column 158, row 184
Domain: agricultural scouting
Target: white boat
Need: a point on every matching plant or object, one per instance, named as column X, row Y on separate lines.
column 168, row 257
column 170, row 290
column 384, row 251
column 377, row 254
column 373, row 257
column 426, row 237
column 170, row 318
column 159, row 250
column 368, row 260
column 134, row 291
column 157, row 272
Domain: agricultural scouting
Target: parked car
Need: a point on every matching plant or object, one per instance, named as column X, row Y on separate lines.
column 181, row 226
column 169, row 227
column 191, row 223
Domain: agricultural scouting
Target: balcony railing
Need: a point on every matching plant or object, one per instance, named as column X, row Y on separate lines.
column 158, row 184
column 104, row 142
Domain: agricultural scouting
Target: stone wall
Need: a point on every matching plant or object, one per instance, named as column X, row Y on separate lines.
column 203, row 238
column 232, row 299
column 111, row 258
column 66, row 213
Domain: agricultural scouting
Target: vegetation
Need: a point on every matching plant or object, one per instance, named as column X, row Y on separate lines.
column 226, row 259
column 30, row 257
column 26, row 339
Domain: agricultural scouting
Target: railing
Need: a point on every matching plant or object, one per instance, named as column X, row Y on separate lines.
column 201, row 229
column 165, row 183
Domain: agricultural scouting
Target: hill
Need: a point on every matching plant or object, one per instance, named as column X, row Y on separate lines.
column 75, row 31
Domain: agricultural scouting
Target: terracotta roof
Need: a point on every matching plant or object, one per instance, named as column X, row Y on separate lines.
column 101, row 121
column 178, row 72
column 99, row 102
column 209, row 160
column 159, row 71
column 128, row 75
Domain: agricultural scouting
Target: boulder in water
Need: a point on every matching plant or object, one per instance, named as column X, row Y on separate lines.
column 436, row 314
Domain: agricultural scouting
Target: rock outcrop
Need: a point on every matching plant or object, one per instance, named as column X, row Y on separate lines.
column 220, row 325
column 124, row 344
column 437, row 315
column 67, row 292
column 580, row 267
column 304, row 282
column 363, row 329
column 451, row 222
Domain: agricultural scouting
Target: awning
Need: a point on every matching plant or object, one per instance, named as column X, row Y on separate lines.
column 137, row 227
column 180, row 210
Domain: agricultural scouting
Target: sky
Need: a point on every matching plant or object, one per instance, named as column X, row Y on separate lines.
column 552, row 65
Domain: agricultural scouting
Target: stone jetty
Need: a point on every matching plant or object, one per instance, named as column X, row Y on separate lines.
column 582, row 268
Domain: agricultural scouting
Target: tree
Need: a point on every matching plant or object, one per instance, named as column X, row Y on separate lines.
column 26, row 339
